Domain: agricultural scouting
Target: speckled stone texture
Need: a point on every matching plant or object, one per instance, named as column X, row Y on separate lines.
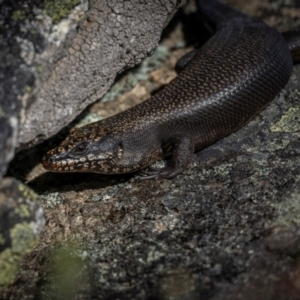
column 21, row 222
column 31, row 42
column 113, row 36
column 228, row 228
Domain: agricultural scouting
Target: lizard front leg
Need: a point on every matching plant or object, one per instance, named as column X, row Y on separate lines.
column 182, row 149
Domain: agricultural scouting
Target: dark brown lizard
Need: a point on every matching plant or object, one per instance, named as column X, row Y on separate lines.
column 223, row 85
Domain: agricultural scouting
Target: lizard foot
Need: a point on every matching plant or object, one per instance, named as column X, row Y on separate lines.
column 161, row 173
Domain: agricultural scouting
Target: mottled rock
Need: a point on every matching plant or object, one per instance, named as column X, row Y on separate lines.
column 112, row 37
column 225, row 229
column 30, row 44
column 21, row 222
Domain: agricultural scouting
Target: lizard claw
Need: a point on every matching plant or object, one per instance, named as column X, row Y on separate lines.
column 150, row 173
column 161, row 173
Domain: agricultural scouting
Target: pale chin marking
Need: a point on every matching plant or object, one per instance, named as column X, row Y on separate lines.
column 120, row 152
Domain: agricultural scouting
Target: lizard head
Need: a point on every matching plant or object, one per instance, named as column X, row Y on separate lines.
column 85, row 151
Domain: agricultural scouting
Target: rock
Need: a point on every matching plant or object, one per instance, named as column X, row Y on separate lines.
column 21, row 222
column 209, row 233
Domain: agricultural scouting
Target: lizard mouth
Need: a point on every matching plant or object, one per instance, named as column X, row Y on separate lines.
column 51, row 163
column 48, row 162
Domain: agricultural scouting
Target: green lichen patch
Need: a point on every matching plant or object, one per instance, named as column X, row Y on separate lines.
column 23, row 211
column 27, row 192
column 9, row 265
column 19, row 15
column 289, row 122
column 58, row 10
column 66, row 272
column 40, row 68
column 22, row 241
column 21, row 221
column 23, row 238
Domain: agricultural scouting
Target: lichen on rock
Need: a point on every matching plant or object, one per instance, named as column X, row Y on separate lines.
column 22, row 220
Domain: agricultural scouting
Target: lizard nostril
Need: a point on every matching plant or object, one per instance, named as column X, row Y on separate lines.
column 50, row 160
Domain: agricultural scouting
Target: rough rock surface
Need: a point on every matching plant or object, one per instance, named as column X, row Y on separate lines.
column 21, row 222
column 41, row 44
column 113, row 36
column 31, row 41
column 228, row 228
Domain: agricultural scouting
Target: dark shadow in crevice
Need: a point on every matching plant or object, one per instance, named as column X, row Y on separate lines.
column 65, row 182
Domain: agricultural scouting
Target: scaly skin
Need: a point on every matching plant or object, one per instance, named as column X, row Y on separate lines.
column 227, row 82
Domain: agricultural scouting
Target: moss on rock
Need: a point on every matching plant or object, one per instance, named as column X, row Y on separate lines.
column 58, row 10
column 22, row 221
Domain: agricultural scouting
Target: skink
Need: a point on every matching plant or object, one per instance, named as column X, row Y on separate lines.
column 222, row 86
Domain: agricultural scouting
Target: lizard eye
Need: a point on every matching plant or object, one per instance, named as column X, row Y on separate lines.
column 81, row 148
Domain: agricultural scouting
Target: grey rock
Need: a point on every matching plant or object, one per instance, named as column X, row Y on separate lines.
column 228, row 228
column 112, row 37
column 21, row 222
